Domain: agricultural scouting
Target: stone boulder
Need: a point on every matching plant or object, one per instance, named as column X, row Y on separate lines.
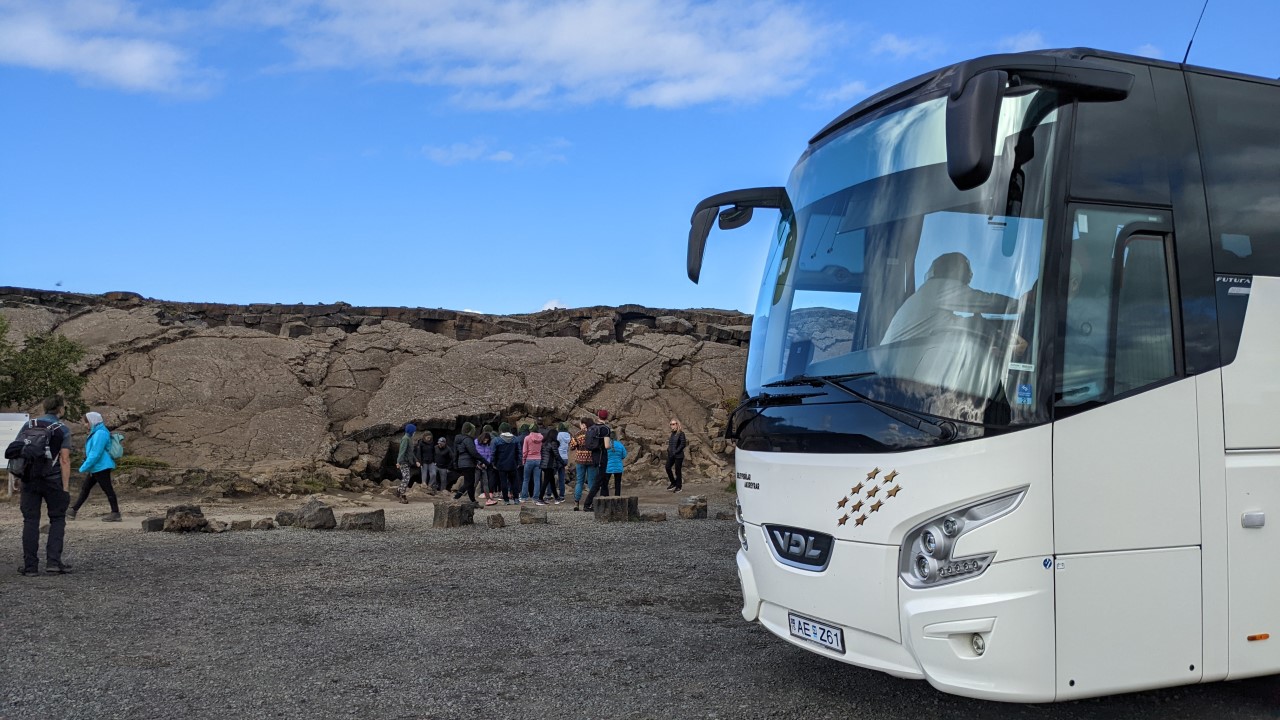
column 153, row 524
column 694, row 508
column 722, row 515
column 286, row 518
column 316, row 515
column 375, row 520
column 653, row 516
column 496, row 521
column 265, row 523
column 532, row 515
column 238, row 525
column 215, row 526
column 184, row 518
column 617, row 508
column 452, row 514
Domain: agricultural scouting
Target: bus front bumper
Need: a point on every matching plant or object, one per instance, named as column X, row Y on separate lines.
column 1010, row 606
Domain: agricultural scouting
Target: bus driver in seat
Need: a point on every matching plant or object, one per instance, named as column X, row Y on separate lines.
column 945, row 292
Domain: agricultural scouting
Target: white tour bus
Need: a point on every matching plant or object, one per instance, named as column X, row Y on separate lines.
column 1011, row 420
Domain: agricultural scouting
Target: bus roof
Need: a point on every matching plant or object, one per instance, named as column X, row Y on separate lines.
column 941, row 78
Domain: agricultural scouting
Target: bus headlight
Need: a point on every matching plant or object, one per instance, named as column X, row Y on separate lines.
column 742, row 524
column 926, row 556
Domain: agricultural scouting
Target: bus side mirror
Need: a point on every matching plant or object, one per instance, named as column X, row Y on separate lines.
column 973, row 117
column 742, row 202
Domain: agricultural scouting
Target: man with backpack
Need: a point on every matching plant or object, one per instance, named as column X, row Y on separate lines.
column 40, row 456
column 597, row 442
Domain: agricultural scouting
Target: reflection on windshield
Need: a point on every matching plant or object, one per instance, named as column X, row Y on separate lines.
column 886, row 269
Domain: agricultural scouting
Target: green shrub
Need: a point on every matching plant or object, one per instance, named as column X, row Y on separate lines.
column 130, row 462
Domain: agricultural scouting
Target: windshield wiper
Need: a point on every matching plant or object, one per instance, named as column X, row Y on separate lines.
column 944, row 431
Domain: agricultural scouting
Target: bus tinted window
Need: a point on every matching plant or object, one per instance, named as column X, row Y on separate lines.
column 1239, row 131
column 1118, row 156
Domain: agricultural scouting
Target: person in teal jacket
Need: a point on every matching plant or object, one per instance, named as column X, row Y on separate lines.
column 617, row 453
column 97, row 467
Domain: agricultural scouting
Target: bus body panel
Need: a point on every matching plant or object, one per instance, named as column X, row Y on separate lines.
column 1253, row 486
column 1126, row 475
column 1127, row 621
column 1213, row 527
column 1251, row 384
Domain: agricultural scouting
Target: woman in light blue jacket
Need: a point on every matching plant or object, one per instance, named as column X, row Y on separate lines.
column 98, row 466
column 617, row 453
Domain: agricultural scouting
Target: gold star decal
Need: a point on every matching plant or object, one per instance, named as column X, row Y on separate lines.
column 872, row 492
column 889, row 478
column 842, row 502
column 843, row 520
column 877, row 506
column 861, row 519
column 857, row 489
column 894, row 491
column 856, row 506
column 872, row 475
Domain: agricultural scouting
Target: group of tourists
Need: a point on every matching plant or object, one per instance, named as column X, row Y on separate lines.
column 40, row 461
column 531, row 464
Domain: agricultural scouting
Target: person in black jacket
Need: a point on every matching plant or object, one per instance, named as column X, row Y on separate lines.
column 443, row 465
column 466, row 460
column 676, row 445
column 424, row 453
column 506, row 460
column 551, row 464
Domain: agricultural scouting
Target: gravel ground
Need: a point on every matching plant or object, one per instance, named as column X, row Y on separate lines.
column 572, row 619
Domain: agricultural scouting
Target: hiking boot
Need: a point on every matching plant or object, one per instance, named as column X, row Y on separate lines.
column 111, row 517
column 404, row 500
column 71, row 513
column 57, row 569
column 575, row 507
column 28, row 572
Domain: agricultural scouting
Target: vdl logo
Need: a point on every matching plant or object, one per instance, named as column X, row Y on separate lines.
column 797, row 545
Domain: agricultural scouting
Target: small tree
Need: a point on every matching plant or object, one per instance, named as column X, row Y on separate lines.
column 43, row 367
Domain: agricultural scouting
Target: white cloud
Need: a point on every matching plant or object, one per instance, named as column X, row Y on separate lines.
column 846, row 94
column 551, row 151
column 1022, row 42
column 1148, row 50
column 504, row 54
column 104, row 42
column 553, row 305
column 902, row 47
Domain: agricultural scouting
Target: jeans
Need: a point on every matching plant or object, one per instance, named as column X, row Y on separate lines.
column 426, row 473
column 50, row 492
column 439, row 477
column 532, row 479
column 601, row 485
column 677, row 478
column 580, row 483
column 102, row 479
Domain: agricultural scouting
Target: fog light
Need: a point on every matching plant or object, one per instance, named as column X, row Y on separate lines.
column 922, row 567
column 978, row 644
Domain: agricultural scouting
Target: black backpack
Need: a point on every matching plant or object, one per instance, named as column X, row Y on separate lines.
column 596, row 435
column 31, row 455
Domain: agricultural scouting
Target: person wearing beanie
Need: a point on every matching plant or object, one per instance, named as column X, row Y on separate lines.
column 506, row 463
column 406, row 462
column 444, row 465
column 466, row 459
column 551, row 463
column 98, row 466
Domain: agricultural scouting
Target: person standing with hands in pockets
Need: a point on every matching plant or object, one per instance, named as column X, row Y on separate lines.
column 676, row 445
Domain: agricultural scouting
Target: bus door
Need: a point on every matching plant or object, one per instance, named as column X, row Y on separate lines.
column 1126, row 485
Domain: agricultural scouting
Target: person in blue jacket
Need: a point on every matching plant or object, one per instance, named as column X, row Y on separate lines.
column 97, row 467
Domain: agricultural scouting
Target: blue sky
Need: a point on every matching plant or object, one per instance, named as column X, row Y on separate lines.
column 466, row 154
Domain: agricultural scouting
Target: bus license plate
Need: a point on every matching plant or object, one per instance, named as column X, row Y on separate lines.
column 816, row 632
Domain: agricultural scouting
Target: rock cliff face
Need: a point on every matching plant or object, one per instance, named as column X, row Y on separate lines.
column 245, row 392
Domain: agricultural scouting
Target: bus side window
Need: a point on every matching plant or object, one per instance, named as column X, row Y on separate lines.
column 1119, row 329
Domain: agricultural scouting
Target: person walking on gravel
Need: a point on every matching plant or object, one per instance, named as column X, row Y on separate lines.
column 532, row 455
column 97, row 467
column 406, row 462
column 46, row 479
column 506, row 461
column 676, row 445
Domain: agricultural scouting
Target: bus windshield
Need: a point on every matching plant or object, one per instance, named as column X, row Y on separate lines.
column 885, row 274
